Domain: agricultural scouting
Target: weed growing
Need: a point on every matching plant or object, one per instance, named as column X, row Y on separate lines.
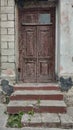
column 14, row 121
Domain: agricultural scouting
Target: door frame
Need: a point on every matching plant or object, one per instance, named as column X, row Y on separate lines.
column 57, row 40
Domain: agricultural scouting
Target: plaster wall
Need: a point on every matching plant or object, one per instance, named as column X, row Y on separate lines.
column 66, row 38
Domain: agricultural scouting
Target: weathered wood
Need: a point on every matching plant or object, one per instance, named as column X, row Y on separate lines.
column 37, row 45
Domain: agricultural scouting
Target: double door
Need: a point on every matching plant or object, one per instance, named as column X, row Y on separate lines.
column 37, row 47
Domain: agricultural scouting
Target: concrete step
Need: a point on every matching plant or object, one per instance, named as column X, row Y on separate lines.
column 36, row 86
column 32, row 128
column 47, row 120
column 37, row 94
column 41, row 120
column 51, row 106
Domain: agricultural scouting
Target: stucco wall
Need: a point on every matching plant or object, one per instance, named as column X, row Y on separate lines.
column 66, row 37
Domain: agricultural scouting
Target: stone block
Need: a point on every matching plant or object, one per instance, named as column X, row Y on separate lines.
column 10, row 16
column 8, row 65
column 7, row 10
column 3, row 30
column 10, row 30
column 7, row 52
column 7, row 38
column 11, row 59
column 10, row 2
column 3, row 17
column 8, row 74
column 11, row 45
column 4, row 3
column 4, row 58
column 6, row 24
column 70, row 109
column 3, row 45
column 66, row 121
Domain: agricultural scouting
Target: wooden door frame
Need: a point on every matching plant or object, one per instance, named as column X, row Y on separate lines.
column 17, row 55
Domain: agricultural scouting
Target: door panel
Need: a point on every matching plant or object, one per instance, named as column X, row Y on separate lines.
column 30, row 36
column 45, row 57
column 44, row 41
column 29, row 54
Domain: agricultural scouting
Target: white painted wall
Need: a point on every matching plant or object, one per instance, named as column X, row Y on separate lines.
column 66, row 38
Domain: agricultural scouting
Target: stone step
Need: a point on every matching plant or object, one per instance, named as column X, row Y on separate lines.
column 32, row 128
column 37, row 94
column 51, row 106
column 47, row 120
column 41, row 120
column 36, row 86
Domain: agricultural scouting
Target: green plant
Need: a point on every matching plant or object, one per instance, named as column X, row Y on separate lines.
column 7, row 99
column 14, row 121
column 30, row 113
column 38, row 102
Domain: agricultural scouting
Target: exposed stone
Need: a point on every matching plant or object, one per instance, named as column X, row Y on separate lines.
column 66, row 121
column 4, row 45
column 11, row 59
column 7, row 38
column 11, row 45
column 3, row 17
column 10, row 16
column 7, row 10
column 10, row 3
column 3, row 30
column 3, row 2
column 9, row 52
column 9, row 71
column 10, row 30
column 6, row 24
column 8, row 65
column 4, row 58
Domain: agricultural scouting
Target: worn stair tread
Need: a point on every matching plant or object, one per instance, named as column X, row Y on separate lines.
column 32, row 128
column 66, row 119
column 49, row 119
column 32, row 103
column 36, row 92
column 39, row 118
column 36, row 85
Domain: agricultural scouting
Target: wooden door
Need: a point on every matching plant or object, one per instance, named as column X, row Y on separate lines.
column 45, row 66
column 37, row 46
